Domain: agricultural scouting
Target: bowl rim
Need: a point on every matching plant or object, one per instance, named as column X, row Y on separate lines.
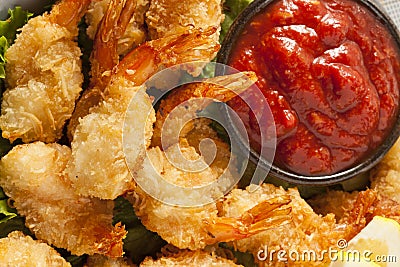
column 368, row 163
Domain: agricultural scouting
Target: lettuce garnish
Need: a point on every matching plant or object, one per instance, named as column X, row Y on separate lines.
column 232, row 8
column 8, row 32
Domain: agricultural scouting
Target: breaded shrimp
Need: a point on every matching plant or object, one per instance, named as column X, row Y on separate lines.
column 33, row 176
column 195, row 226
column 166, row 17
column 188, row 99
column 385, row 178
column 18, row 250
column 144, row 61
column 189, row 258
column 383, row 199
column 335, row 201
column 43, row 75
column 97, row 167
column 104, row 57
column 307, row 231
column 170, row 17
column 135, row 33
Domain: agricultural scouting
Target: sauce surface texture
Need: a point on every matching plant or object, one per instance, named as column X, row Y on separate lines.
column 330, row 72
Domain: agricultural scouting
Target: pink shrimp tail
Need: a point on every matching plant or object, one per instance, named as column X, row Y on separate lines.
column 68, row 13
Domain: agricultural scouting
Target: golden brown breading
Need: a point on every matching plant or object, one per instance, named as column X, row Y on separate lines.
column 170, row 17
column 189, row 258
column 18, row 250
column 176, row 113
column 97, row 166
column 135, row 32
column 307, row 231
column 336, row 202
column 43, row 75
column 196, row 221
column 180, row 226
column 167, row 17
column 33, row 176
column 385, row 178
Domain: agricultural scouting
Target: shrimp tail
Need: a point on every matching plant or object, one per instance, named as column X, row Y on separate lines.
column 103, row 58
column 193, row 46
column 229, row 86
column 112, row 245
column 268, row 214
column 67, row 13
column 112, row 27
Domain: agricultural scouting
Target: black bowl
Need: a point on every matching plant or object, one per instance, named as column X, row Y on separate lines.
column 324, row 180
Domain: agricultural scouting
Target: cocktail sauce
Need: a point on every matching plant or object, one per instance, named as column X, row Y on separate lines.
column 329, row 70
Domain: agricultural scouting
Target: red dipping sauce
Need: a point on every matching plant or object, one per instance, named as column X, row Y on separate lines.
column 330, row 72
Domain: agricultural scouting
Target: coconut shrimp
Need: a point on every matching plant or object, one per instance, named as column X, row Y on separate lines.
column 195, row 226
column 307, row 231
column 33, row 176
column 185, row 101
column 166, row 17
column 135, row 33
column 43, row 75
column 382, row 199
column 189, row 258
column 19, row 250
column 385, row 177
column 169, row 17
column 144, row 61
column 98, row 167
column 104, row 57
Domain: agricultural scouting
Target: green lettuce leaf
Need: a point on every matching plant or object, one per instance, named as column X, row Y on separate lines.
column 5, row 213
column 17, row 18
column 3, row 48
column 232, row 9
column 139, row 241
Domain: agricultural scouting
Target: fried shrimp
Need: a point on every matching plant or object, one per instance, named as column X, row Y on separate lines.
column 385, row 177
column 33, row 176
column 43, row 75
column 144, row 61
column 191, row 98
column 19, row 250
column 166, row 17
column 189, row 258
column 195, row 226
column 358, row 208
column 135, row 32
column 104, row 56
column 169, row 176
column 97, row 167
column 307, row 231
